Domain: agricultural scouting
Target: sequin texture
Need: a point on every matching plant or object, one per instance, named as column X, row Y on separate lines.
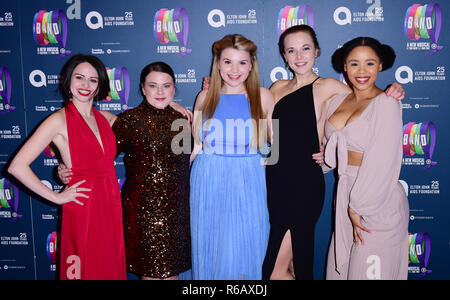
column 155, row 195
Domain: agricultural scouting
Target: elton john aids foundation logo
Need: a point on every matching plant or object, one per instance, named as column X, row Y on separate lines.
column 172, row 26
column 5, row 91
column 424, row 21
column 50, row 28
column 290, row 16
column 420, row 138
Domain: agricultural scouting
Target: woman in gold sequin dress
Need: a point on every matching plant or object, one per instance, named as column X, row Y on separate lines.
column 155, row 195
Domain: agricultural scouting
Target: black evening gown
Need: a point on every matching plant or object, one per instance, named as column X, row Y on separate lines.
column 295, row 185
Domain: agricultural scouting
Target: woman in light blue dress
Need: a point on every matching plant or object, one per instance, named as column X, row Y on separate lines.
column 229, row 217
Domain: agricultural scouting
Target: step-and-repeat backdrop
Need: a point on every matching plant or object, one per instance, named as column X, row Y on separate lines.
column 37, row 37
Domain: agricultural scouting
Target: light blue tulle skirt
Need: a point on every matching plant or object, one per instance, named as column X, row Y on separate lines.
column 229, row 217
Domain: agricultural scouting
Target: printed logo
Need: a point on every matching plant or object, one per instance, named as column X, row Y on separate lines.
column 290, row 16
column 216, row 18
column 436, row 74
column 419, row 252
column 400, row 71
column 98, row 20
column 41, row 81
column 7, row 20
column 337, row 16
column 213, row 13
column 50, row 28
column 119, row 84
column 420, row 138
column 5, row 91
column 95, row 20
column 282, row 71
column 172, row 25
column 374, row 13
column 9, row 199
column 424, row 21
column 405, row 186
column 49, row 151
column 50, row 159
column 52, row 246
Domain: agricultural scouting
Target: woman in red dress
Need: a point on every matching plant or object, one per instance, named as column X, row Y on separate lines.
column 92, row 240
column 155, row 194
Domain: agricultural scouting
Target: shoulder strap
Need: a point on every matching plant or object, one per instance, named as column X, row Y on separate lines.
column 315, row 79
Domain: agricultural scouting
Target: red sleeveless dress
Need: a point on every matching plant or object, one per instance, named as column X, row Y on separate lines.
column 92, row 241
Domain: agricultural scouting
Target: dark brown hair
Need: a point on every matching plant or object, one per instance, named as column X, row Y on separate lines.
column 69, row 67
column 384, row 52
column 158, row 66
column 294, row 29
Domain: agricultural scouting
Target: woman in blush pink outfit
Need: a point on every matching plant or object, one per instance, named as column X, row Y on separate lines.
column 363, row 136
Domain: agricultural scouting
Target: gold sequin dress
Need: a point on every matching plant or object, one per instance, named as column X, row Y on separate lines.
column 155, row 195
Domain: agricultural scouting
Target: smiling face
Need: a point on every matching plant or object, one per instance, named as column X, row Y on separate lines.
column 300, row 52
column 84, row 83
column 234, row 67
column 362, row 66
column 158, row 89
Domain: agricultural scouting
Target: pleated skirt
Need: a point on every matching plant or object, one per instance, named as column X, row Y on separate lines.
column 229, row 217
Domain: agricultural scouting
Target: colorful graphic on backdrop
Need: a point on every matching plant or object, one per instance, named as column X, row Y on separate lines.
column 290, row 16
column 172, row 25
column 49, row 152
column 424, row 21
column 119, row 84
column 5, row 91
column 419, row 251
column 9, row 199
column 51, row 246
column 420, row 138
column 50, row 28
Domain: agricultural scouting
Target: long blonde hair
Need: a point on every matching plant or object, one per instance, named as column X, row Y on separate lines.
column 252, row 86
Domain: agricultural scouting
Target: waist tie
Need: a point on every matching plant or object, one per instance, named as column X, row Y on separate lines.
column 336, row 153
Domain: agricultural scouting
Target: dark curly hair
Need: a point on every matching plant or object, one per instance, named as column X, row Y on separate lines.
column 385, row 53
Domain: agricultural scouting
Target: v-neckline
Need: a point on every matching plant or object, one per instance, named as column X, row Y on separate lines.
column 99, row 141
column 360, row 116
